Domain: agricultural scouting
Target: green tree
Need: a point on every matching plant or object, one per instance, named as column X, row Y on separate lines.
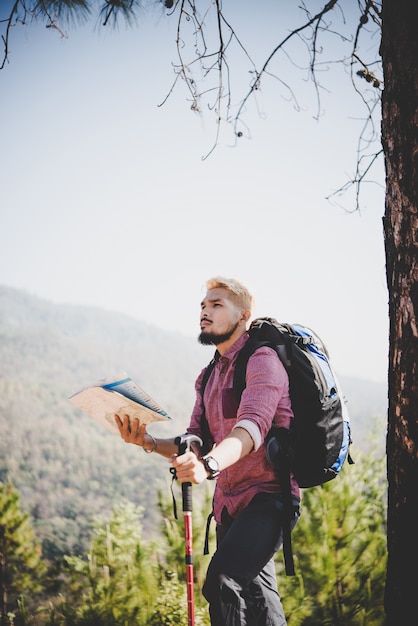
column 339, row 546
column 117, row 583
column 171, row 606
column 21, row 566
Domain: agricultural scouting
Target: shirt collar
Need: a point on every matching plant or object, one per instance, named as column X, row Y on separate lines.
column 236, row 347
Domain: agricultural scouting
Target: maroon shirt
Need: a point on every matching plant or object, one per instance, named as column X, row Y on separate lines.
column 264, row 399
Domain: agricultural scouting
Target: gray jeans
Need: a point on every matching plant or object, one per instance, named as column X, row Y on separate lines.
column 241, row 585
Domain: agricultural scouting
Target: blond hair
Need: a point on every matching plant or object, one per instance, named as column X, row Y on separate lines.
column 240, row 295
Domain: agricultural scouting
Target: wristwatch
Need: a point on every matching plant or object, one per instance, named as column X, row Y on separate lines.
column 211, row 466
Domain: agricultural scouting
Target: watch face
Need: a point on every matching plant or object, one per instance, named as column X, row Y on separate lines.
column 212, row 466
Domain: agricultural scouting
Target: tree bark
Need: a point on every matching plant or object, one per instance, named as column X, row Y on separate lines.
column 399, row 49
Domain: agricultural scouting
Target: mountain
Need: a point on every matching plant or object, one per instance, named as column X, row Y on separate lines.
column 67, row 468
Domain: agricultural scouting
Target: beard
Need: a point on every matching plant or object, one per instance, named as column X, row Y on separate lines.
column 214, row 339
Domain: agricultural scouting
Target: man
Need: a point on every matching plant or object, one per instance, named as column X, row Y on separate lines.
column 241, row 583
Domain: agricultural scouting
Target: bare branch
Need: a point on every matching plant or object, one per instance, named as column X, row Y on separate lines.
column 52, row 11
column 371, row 99
column 205, row 41
column 314, row 21
column 9, row 23
column 207, row 61
column 358, row 179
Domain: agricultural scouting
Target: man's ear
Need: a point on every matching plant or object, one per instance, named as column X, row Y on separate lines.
column 245, row 316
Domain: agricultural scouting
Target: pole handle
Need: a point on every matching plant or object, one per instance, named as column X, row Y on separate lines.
column 183, row 444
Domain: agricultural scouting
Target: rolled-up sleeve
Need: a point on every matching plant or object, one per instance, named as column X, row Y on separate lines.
column 253, row 430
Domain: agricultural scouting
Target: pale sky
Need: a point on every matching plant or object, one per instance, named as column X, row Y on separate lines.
column 107, row 202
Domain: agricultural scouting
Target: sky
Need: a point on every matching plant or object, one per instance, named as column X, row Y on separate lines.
column 108, row 199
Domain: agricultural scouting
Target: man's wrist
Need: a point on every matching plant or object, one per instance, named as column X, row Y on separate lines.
column 151, row 445
column 211, row 466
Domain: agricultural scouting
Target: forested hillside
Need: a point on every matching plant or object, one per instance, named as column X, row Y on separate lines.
column 66, row 467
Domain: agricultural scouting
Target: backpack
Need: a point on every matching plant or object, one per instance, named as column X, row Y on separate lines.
column 317, row 444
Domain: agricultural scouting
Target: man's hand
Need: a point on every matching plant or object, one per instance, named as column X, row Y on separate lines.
column 137, row 433
column 189, row 469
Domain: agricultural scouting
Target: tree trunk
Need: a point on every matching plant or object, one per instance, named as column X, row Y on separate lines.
column 399, row 49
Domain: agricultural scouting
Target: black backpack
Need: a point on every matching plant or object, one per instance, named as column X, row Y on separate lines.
column 317, row 444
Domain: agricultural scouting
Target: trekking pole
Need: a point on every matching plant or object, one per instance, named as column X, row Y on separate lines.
column 183, row 443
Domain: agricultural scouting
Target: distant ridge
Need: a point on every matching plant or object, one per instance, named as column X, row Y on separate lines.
column 72, row 345
column 83, row 343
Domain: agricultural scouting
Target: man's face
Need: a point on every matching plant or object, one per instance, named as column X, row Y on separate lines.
column 219, row 317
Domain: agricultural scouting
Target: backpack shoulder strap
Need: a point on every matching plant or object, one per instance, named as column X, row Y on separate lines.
column 204, row 425
column 240, row 371
column 206, row 376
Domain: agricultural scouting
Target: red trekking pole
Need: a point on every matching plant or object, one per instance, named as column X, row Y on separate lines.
column 183, row 443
